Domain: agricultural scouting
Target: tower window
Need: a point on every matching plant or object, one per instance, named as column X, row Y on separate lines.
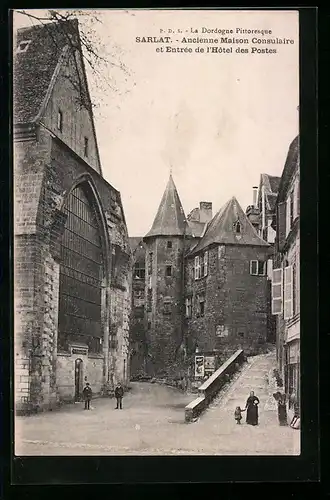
column 169, row 244
column 85, row 147
column 60, row 120
column 168, row 271
column 257, row 267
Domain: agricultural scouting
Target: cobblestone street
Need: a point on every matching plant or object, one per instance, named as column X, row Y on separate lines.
column 152, row 423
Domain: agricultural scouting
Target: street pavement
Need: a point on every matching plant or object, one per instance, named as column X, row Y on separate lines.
column 152, row 423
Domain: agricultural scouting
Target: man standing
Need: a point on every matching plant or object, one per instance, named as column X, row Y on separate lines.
column 87, row 394
column 119, row 393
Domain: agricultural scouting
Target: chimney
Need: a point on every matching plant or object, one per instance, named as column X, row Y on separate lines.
column 205, row 211
column 255, row 192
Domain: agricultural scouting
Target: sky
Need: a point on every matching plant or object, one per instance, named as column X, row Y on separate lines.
column 216, row 120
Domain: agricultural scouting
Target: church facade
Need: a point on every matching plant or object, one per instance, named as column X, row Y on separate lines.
column 72, row 275
column 206, row 286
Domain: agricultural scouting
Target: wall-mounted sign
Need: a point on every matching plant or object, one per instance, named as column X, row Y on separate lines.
column 79, row 350
column 199, row 366
column 209, row 364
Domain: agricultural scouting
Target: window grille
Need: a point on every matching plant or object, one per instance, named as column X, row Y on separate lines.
column 81, row 272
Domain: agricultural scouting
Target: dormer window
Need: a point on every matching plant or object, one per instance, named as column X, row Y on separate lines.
column 237, row 227
column 85, row 147
column 60, row 120
column 23, row 46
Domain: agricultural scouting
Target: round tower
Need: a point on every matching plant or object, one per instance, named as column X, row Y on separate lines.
column 164, row 284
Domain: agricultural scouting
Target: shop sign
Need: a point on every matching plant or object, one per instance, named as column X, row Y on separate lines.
column 199, row 366
column 209, row 365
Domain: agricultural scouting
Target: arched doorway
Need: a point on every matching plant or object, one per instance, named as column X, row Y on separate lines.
column 78, row 379
column 81, row 274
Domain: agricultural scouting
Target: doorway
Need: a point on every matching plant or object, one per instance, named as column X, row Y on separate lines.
column 78, row 378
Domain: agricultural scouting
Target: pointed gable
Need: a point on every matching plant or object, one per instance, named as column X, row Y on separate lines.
column 34, row 66
column 170, row 219
column 221, row 230
column 50, row 78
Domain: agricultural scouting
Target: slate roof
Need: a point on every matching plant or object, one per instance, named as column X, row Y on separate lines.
column 274, row 183
column 170, row 219
column 221, row 229
column 33, row 69
column 196, row 227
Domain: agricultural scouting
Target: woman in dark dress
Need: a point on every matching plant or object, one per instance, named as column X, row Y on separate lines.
column 252, row 409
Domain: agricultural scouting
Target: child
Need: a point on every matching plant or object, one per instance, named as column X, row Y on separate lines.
column 87, row 393
column 238, row 415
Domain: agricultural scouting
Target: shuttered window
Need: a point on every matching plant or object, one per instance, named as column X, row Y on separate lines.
column 288, row 216
column 206, row 261
column 277, row 291
column 197, row 267
column 281, row 224
column 288, row 292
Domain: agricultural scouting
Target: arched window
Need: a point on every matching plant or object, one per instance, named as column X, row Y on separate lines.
column 81, row 273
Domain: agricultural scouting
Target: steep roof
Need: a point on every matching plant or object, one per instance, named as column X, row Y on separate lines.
column 274, row 183
column 221, row 229
column 34, row 67
column 170, row 219
column 271, row 184
column 196, row 227
column 291, row 165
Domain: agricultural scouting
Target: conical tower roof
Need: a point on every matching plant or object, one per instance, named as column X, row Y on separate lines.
column 221, row 229
column 170, row 219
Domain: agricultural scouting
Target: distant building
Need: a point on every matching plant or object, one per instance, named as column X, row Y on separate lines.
column 71, row 251
column 138, row 344
column 286, row 272
column 261, row 214
column 205, row 285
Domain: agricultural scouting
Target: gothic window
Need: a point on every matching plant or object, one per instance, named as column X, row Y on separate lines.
column 81, row 273
column 169, row 244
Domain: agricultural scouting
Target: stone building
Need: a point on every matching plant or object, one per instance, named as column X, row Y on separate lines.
column 72, row 275
column 165, row 248
column 138, row 345
column 205, row 285
column 286, row 272
column 261, row 214
column 226, row 286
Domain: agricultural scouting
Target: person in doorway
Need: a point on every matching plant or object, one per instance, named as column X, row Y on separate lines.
column 251, row 407
column 119, row 393
column 87, row 395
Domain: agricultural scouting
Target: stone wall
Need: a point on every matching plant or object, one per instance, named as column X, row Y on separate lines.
column 45, row 172
column 235, row 302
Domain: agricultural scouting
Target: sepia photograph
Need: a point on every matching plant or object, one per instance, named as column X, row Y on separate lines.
column 156, row 247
